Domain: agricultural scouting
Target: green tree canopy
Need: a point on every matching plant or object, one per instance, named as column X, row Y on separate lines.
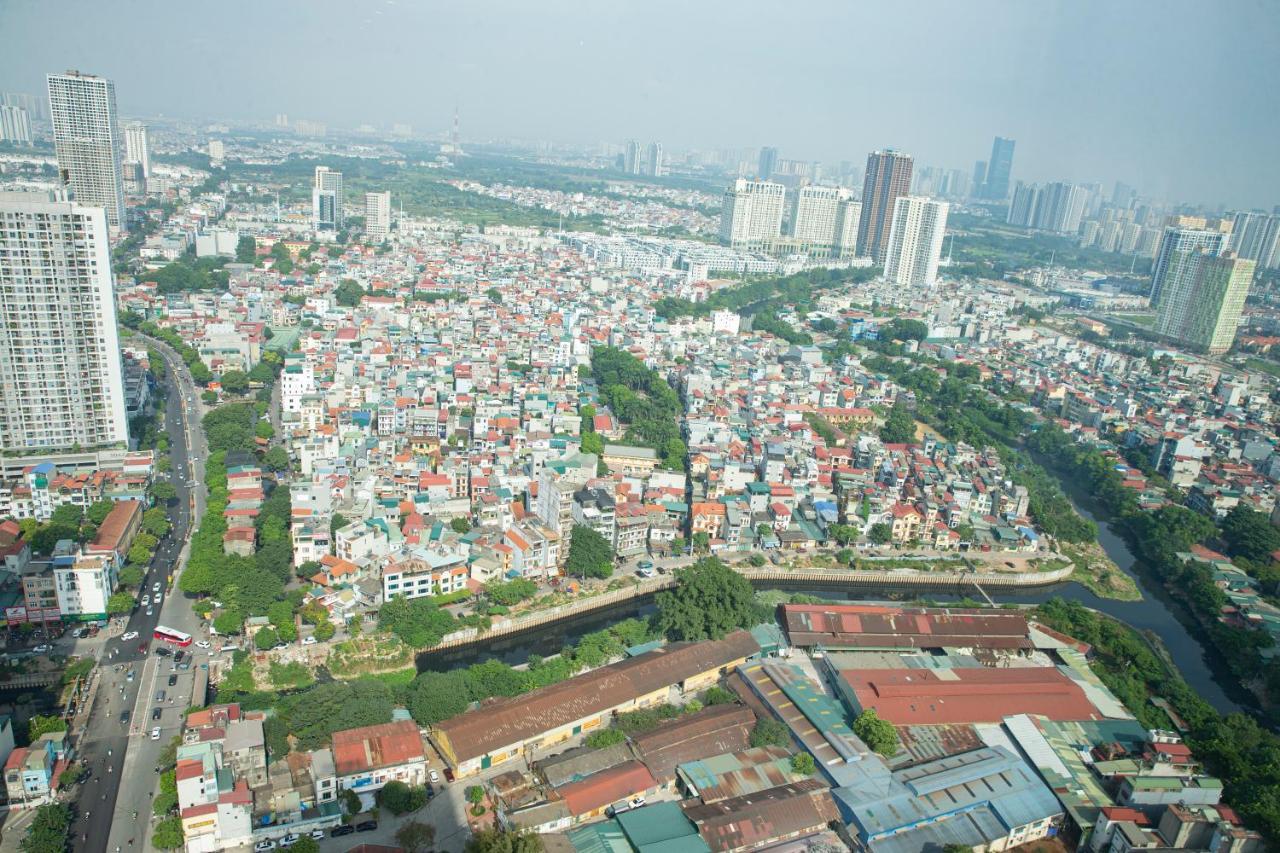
column 504, row 841
column 709, row 601
column 900, row 426
column 770, row 732
column 415, row 836
column 348, row 293
column 877, row 733
column 590, row 554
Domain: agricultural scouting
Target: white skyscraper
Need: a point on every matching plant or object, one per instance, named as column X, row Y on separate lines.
column 86, row 137
column 825, row 216
column 217, row 152
column 1177, row 241
column 752, row 212
column 326, row 200
column 654, row 160
column 136, row 147
column 15, row 125
column 1204, row 294
column 61, row 383
column 377, row 215
column 915, row 241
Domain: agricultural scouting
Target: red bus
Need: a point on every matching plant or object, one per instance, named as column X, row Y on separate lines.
column 172, row 635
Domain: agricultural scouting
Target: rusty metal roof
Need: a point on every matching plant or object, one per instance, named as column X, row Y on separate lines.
column 875, row 626
column 755, row 820
column 711, row 731
column 736, row 774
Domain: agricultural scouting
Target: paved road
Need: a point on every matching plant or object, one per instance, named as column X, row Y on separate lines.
column 111, row 749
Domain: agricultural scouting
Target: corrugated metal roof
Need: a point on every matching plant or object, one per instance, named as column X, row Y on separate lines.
column 711, row 731
column 753, row 821
column 735, row 774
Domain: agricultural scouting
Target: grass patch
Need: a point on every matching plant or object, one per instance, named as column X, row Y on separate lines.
column 1095, row 571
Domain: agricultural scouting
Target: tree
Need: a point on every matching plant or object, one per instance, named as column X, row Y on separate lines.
column 844, row 556
column 246, row 250
column 592, row 442
column 121, row 603
column 305, row 844
column 349, row 293
column 39, row 725
column 71, row 775
column 130, row 576
column 168, row 834
column 436, row 696
column 460, row 525
column 756, row 560
column 900, row 426
column 155, row 522
column 590, row 554
column 802, row 764
column 276, row 458
column 877, row 733
column 235, row 382
column 504, row 841
column 399, row 798
column 717, row 695
column 229, row 621
column 350, row 801
column 1250, row 534
column 419, row 621
column 602, row 738
column 770, row 732
column 162, row 491
column 48, row 830
column 880, row 533
column 98, row 512
column 324, row 631
column 266, row 638
column 475, row 794
column 415, row 836
column 709, row 600
column 68, row 514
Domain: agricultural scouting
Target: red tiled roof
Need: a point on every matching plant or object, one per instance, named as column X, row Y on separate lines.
column 385, row 745
column 608, row 786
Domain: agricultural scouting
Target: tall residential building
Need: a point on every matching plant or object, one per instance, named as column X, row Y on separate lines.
column 1056, row 207
column 1256, row 237
column 752, row 212
column 768, row 163
column 136, row 146
column 87, row 140
column 1204, row 293
column 15, row 125
column 1183, row 238
column 632, row 158
column 653, row 160
column 31, row 103
column 61, row 380
column 999, row 170
column 825, row 216
column 377, row 215
column 326, row 200
column 916, row 230
column 888, row 178
column 217, row 152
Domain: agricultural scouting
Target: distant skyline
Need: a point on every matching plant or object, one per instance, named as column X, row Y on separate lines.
column 1171, row 97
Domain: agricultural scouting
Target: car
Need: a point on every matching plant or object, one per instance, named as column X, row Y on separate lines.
column 163, row 651
column 279, row 646
column 317, row 834
column 156, row 712
column 160, row 694
column 142, row 647
column 309, row 641
column 173, row 679
column 339, row 831
column 433, row 777
column 186, row 664
column 644, row 564
column 155, row 733
column 289, row 840
column 159, row 598
column 268, row 844
column 635, row 802
column 178, row 656
column 662, row 570
column 129, row 635
column 146, row 599
column 124, row 718
column 150, row 612
column 155, row 587
column 129, row 675
column 645, row 573
column 366, row 826
column 42, row 648
column 202, row 644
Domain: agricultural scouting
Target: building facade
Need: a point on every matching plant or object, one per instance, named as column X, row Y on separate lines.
column 377, row 215
column 915, row 241
column 999, row 170
column 137, row 147
column 15, row 125
column 61, row 379
column 887, row 179
column 752, row 212
column 326, row 200
column 86, row 138
column 1178, row 240
column 1202, row 298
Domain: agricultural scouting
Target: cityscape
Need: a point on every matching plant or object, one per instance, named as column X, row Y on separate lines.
column 531, row 464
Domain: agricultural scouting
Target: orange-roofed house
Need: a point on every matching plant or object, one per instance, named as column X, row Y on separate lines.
column 367, row 758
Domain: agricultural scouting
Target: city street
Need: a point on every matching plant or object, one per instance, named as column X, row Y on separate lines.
column 119, row 754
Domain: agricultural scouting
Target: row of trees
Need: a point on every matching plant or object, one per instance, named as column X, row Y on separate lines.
column 797, row 289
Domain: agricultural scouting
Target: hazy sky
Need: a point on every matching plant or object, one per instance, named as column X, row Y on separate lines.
column 1179, row 98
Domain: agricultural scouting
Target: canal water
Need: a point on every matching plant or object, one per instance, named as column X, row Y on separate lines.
column 1153, row 613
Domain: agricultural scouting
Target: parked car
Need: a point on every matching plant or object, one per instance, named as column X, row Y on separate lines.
column 129, row 635
column 366, row 826
column 202, row 644
column 155, row 733
column 155, row 587
column 289, row 840
column 433, row 777
column 309, row 641
column 124, row 718
column 173, row 679
column 42, row 649
column 160, row 694
column 339, row 831
column 178, row 656
column 268, row 844
column 146, row 599
column 162, row 651
column 317, row 834
column 155, row 713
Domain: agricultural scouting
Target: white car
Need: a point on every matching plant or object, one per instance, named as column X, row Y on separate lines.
column 41, row 649
column 150, row 612
column 289, row 840
column 265, row 845
column 433, row 777
column 318, row 834
column 155, row 733
column 309, row 641
column 202, row 644
column 146, row 600
column 128, row 635
column 155, row 587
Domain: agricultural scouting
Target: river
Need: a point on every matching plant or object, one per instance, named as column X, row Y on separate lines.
column 1153, row 613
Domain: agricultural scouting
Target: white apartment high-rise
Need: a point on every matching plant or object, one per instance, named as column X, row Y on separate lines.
column 377, row 215
column 86, row 137
column 654, row 161
column 825, row 216
column 326, row 200
column 137, row 149
column 1256, row 236
column 752, row 212
column 61, row 382
column 15, row 125
column 217, row 152
column 1204, row 294
column 915, row 241
column 632, row 158
column 1179, row 240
